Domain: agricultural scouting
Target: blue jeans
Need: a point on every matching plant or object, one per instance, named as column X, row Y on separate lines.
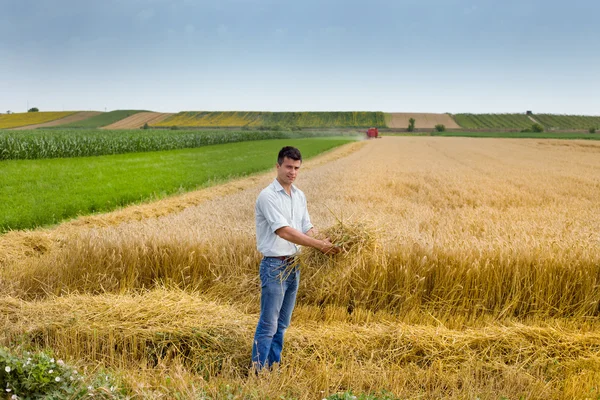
column 279, row 286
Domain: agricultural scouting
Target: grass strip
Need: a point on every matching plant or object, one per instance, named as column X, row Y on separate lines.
column 41, row 192
column 507, row 135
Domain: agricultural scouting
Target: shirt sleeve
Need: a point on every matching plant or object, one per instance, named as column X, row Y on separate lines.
column 306, row 225
column 271, row 211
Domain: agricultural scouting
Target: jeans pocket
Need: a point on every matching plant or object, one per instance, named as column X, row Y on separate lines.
column 271, row 270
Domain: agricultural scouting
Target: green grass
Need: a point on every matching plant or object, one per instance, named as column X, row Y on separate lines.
column 55, row 143
column 42, row 192
column 522, row 135
column 101, row 120
column 510, row 135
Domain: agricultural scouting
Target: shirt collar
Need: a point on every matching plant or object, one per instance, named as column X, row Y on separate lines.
column 279, row 188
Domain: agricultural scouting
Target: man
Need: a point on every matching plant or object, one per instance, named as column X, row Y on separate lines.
column 282, row 224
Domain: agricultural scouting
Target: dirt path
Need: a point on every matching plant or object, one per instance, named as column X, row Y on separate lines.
column 80, row 116
column 138, row 120
column 422, row 120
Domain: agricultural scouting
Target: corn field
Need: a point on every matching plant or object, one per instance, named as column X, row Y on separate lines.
column 58, row 143
column 477, row 275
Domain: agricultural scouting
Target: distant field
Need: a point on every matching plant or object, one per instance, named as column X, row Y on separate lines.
column 138, row 120
column 522, row 135
column 493, row 121
column 75, row 117
column 422, row 120
column 522, row 121
column 41, row 192
column 8, row 121
column 553, row 121
column 102, row 119
column 275, row 119
column 55, row 143
column 510, row 135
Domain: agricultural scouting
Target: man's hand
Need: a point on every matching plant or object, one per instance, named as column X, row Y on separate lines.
column 328, row 247
column 295, row 236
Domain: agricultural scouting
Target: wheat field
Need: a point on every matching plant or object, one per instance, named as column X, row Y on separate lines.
column 482, row 280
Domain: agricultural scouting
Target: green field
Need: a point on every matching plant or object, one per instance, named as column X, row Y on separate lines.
column 101, row 120
column 522, row 121
column 493, row 121
column 355, row 119
column 41, row 192
column 553, row 121
column 55, row 143
column 522, row 135
column 508, row 135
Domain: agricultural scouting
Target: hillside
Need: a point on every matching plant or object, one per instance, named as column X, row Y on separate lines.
column 274, row 119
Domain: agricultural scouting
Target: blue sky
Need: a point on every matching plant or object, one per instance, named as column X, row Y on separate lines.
column 380, row 55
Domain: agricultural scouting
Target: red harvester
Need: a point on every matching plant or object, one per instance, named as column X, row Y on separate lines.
column 372, row 133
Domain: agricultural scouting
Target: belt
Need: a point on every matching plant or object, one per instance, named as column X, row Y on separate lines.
column 287, row 259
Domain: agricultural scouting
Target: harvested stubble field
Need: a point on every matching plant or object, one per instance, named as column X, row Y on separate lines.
column 484, row 282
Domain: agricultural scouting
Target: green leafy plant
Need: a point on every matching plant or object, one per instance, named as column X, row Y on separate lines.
column 592, row 130
column 440, row 128
column 39, row 375
column 411, row 125
column 33, row 109
column 384, row 395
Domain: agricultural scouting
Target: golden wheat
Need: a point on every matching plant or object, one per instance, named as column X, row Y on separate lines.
column 477, row 275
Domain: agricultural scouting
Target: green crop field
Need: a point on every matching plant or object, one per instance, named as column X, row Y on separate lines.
column 101, row 120
column 41, row 192
column 275, row 119
column 493, row 121
column 553, row 121
column 508, row 135
column 54, row 143
column 522, row 121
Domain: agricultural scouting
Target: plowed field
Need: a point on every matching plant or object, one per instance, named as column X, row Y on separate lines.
column 80, row 116
column 138, row 120
column 422, row 120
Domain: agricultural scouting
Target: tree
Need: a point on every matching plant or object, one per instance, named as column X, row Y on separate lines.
column 440, row 127
column 411, row 124
column 33, row 109
column 537, row 128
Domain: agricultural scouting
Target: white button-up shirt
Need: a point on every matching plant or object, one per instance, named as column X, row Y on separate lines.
column 276, row 209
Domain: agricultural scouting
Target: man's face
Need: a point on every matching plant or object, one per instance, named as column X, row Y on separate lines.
column 288, row 170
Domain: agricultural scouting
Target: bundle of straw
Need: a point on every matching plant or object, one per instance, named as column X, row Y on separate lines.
column 340, row 278
column 356, row 239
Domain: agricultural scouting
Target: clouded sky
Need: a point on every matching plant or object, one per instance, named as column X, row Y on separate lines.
column 321, row 55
